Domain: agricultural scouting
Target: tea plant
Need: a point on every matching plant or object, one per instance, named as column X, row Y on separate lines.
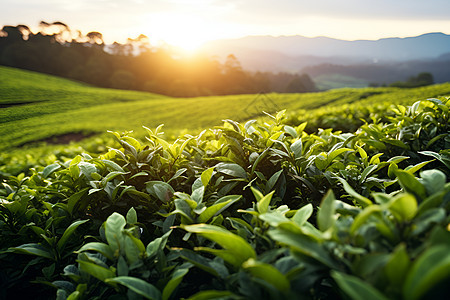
column 262, row 209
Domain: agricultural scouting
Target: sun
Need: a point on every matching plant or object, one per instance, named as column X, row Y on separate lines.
column 184, row 31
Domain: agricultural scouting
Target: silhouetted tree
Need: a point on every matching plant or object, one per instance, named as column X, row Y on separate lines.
column 95, row 38
column 13, row 33
column 56, row 49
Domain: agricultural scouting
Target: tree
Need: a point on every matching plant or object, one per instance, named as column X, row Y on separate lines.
column 13, row 33
column 95, row 37
column 422, row 79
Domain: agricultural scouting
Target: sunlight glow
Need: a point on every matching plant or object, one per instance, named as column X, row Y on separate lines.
column 180, row 30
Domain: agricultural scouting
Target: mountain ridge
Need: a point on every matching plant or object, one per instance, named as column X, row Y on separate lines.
column 381, row 61
column 392, row 48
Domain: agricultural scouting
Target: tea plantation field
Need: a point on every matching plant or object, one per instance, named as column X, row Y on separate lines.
column 37, row 107
column 345, row 195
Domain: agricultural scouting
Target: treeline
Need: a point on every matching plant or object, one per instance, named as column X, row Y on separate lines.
column 422, row 79
column 58, row 50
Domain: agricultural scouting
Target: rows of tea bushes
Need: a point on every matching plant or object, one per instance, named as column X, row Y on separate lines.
column 37, row 108
column 258, row 210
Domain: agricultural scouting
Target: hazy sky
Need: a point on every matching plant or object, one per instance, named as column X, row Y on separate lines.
column 190, row 22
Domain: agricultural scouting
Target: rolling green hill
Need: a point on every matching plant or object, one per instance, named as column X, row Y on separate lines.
column 37, row 107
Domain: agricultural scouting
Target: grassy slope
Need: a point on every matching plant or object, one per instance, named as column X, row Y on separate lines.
column 57, row 106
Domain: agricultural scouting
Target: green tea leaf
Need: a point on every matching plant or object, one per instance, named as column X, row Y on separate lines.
column 99, row 272
column 356, row 288
column 50, row 169
column 122, row 267
column 231, row 169
column 434, row 181
column 229, row 241
column 273, row 138
column 173, row 283
column 114, row 226
column 33, row 249
column 112, row 165
column 272, row 181
column 268, row 273
column 156, row 246
column 102, row 248
column 431, row 268
column 363, row 201
column 134, row 248
column 75, row 198
column 290, row 130
column 303, row 244
column 362, row 217
column 395, row 142
column 437, row 156
column 177, row 174
column 263, row 204
column 335, row 153
column 213, row 294
column 397, row 266
column 161, row 190
column 415, row 168
column 321, row 161
column 367, row 172
column 397, row 159
column 325, row 216
column 87, row 169
column 280, row 115
column 74, row 295
column 297, row 148
column 198, row 190
column 376, row 159
column 138, row 286
column 206, row 176
column 303, row 214
column 227, row 255
column 217, row 208
column 275, row 218
column 111, row 176
column 258, row 195
column 131, row 216
column 68, row 233
column 427, row 219
column 403, row 207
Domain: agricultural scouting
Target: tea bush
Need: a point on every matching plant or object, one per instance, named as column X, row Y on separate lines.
column 258, row 210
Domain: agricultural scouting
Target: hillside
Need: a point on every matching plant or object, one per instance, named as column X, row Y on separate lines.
column 38, row 107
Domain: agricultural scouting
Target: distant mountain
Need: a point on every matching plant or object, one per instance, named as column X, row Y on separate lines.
column 385, row 60
column 428, row 45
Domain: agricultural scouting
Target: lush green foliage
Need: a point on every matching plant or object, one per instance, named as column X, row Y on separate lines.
column 258, row 210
